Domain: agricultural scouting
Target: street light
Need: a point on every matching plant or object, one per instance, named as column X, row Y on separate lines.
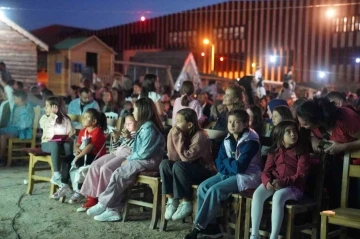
column 357, row 60
column 207, row 42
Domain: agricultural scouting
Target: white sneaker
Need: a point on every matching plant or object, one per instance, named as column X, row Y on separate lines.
column 109, row 215
column 96, row 210
column 183, row 210
column 61, row 192
column 81, row 209
column 56, row 179
column 76, row 198
column 170, row 208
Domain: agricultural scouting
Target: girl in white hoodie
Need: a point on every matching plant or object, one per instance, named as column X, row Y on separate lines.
column 56, row 122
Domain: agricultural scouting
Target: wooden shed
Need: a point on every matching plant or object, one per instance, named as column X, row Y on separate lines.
column 68, row 59
column 18, row 50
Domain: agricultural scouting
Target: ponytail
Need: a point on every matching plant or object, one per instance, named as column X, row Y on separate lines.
column 102, row 121
column 185, row 100
column 187, row 89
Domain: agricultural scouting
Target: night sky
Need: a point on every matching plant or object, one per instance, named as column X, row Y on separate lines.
column 91, row 14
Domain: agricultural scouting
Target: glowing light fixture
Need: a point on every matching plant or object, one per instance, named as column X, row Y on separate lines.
column 357, row 60
column 273, row 58
column 142, row 18
column 321, row 74
column 330, row 13
column 202, row 53
column 253, row 65
column 221, row 58
column 206, row 41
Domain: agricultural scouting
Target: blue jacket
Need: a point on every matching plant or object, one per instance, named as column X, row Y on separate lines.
column 75, row 109
column 149, row 143
column 234, row 157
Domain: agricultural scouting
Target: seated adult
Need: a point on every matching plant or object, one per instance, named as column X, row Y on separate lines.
column 4, row 108
column 234, row 98
column 21, row 122
column 341, row 127
column 203, row 98
column 79, row 105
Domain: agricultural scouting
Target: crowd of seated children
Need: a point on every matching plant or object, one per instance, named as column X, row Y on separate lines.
column 90, row 144
column 239, row 167
column 147, row 153
column 100, row 171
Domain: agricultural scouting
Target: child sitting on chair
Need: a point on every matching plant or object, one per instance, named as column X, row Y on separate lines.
column 239, row 164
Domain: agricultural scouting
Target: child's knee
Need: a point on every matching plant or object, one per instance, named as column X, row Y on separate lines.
column 178, row 167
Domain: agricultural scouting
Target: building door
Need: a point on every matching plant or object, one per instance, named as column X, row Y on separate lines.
column 92, row 61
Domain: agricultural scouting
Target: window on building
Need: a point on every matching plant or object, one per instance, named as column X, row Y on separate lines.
column 229, row 33
column 77, row 67
column 184, row 38
column 58, row 67
column 346, row 24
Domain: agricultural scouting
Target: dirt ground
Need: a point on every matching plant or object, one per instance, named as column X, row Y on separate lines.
column 46, row 218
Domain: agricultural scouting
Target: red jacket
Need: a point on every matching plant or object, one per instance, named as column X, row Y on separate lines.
column 287, row 168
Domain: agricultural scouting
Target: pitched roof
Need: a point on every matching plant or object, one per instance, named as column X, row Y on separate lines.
column 53, row 34
column 25, row 33
column 69, row 43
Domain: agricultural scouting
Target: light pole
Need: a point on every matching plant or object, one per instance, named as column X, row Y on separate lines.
column 207, row 42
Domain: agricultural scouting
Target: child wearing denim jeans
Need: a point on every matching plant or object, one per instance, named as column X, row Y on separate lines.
column 239, row 164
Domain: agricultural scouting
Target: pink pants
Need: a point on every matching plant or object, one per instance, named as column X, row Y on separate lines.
column 123, row 178
column 100, row 171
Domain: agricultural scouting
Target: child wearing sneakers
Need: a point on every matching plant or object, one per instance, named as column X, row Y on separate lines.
column 90, row 145
column 239, row 164
column 55, row 122
column 190, row 162
column 147, row 154
column 101, row 170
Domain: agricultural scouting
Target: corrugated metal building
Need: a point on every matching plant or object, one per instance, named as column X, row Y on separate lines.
column 300, row 33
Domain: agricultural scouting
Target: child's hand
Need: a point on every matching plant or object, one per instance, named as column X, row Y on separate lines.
column 115, row 135
column 269, row 186
column 54, row 109
column 124, row 163
column 73, row 163
column 126, row 134
column 276, row 185
column 77, row 152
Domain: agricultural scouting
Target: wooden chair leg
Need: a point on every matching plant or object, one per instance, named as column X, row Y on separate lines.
column 9, row 154
column 163, row 221
column 324, row 227
column 239, row 223
column 156, row 200
column 126, row 206
column 290, row 224
column 247, row 219
column 30, row 178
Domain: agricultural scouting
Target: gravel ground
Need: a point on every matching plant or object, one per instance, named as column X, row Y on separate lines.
column 46, row 218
